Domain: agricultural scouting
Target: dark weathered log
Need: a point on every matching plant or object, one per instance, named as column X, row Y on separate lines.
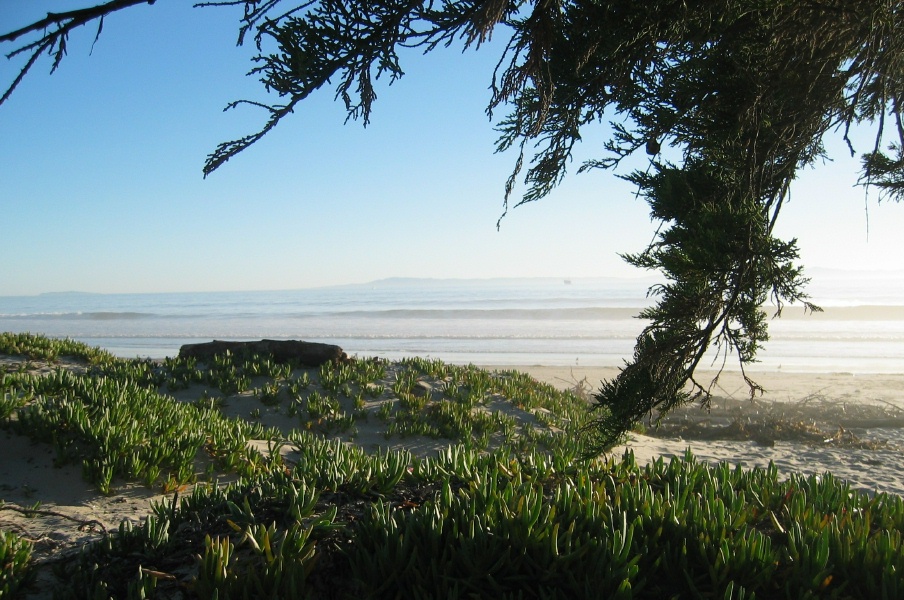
column 312, row 354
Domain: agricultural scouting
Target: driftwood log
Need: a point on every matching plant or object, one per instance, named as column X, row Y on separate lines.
column 311, row 354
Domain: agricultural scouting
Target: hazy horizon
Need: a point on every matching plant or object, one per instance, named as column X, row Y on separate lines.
column 884, row 277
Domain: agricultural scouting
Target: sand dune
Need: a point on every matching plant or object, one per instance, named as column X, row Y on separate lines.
column 69, row 512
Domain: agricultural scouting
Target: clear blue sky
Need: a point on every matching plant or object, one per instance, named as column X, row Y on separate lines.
column 101, row 187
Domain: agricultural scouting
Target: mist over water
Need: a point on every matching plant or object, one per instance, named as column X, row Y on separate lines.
column 499, row 322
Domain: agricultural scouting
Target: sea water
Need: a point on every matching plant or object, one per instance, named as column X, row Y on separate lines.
column 589, row 322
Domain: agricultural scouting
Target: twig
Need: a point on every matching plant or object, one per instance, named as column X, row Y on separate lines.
column 23, row 531
column 31, row 512
column 581, row 388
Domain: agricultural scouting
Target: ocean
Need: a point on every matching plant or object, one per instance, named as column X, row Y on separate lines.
column 588, row 322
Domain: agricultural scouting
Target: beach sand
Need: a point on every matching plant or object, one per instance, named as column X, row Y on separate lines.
column 828, row 400
column 70, row 512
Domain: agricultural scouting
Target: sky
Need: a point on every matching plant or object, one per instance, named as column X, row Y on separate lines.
column 101, row 187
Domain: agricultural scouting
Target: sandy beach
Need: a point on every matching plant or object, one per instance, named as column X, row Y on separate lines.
column 816, row 397
column 68, row 511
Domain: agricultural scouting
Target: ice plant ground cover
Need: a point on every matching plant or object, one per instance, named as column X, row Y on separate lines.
column 410, row 479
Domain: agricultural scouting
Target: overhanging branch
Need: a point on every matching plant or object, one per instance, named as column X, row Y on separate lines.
column 54, row 41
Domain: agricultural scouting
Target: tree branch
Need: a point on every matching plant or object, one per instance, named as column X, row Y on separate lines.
column 62, row 23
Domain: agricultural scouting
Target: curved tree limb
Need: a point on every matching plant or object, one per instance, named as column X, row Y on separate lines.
column 56, row 28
